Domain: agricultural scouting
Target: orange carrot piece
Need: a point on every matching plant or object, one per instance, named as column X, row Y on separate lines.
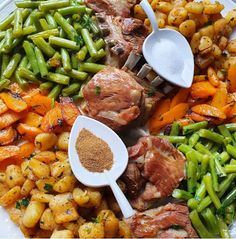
column 69, row 112
column 180, row 97
column 39, row 103
column 7, row 136
column 198, row 78
column 196, row 117
column 8, row 152
column 13, row 102
column 8, row 118
column 212, row 76
column 176, row 113
column 208, row 110
column 28, row 132
column 32, row 119
column 220, row 98
column 26, row 150
column 162, row 107
column 202, row 89
column 232, row 77
column 3, row 107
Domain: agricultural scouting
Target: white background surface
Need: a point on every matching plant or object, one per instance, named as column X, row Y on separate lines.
column 9, row 229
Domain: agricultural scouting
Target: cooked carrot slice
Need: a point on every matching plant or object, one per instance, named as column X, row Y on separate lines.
column 13, row 102
column 202, row 89
column 7, row 136
column 28, row 132
column 8, row 152
column 26, row 150
column 32, row 119
column 232, row 77
column 9, row 117
column 53, row 121
column 180, row 97
column 69, row 112
column 198, row 78
column 196, row 117
column 220, row 98
column 3, row 107
column 208, row 110
column 162, row 107
column 39, row 103
column 212, row 76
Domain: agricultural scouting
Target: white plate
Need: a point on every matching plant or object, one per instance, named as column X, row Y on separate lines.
column 7, row 228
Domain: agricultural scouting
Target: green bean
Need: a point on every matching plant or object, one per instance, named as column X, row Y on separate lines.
column 27, row 74
column 219, row 169
column 230, row 213
column 44, row 46
column 29, row 30
column 214, row 177
column 184, row 148
column 231, row 150
column 202, row 149
column 35, row 16
column 41, row 62
column 91, row 67
column 101, row 54
column 181, row 194
column 58, row 78
column 204, row 164
column 5, row 62
column 230, row 168
column 44, row 24
column 50, row 5
column 45, row 34
column 65, row 59
column 70, row 31
column 5, row 24
column 11, row 67
column 200, row 192
column 209, row 187
column 231, row 127
column 28, row 22
column 174, row 139
column 89, row 42
column 2, row 35
column 224, row 231
column 88, row 11
column 81, row 55
column 208, row 145
column 194, row 127
column 8, row 41
column 51, row 21
column 71, row 10
column 210, row 221
column 204, row 203
column 198, row 225
column 215, row 137
column 23, row 62
column 55, row 92
column 192, row 166
column 77, row 26
column 234, row 136
column 71, row 89
column 225, row 184
column 27, row 4
column 57, row 41
column 76, row 18
column 77, row 75
column 215, row 148
column 225, row 132
column 18, row 23
column 4, row 83
column 22, row 83
column 224, row 157
column 74, row 61
column 192, row 203
column 46, row 86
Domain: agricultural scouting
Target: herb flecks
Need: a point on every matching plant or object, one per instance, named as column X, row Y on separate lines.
column 22, row 203
column 48, row 187
column 151, row 92
column 97, row 90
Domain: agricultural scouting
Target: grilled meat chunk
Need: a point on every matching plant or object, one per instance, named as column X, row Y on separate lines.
column 112, row 7
column 169, row 221
column 122, row 36
column 161, row 166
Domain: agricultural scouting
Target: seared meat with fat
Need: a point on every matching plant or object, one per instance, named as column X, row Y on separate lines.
column 169, row 221
column 112, row 7
column 122, row 36
column 160, row 164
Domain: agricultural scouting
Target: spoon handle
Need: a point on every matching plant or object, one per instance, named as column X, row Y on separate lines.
column 124, row 204
column 150, row 13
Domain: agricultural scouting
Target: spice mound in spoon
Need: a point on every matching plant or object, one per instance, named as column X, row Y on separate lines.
column 94, row 153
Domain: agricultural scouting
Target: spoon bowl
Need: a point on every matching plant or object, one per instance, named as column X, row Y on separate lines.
column 106, row 178
column 168, row 52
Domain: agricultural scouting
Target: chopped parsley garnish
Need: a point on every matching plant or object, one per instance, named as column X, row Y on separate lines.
column 23, row 203
column 95, row 220
column 151, row 92
column 48, row 187
column 18, row 206
column 97, row 90
column 176, row 226
column 31, row 156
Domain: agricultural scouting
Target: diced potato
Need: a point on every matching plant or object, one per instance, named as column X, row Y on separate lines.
column 195, row 41
column 65, row 184
column 207, row 31
column 232, row 46
column 213, row 8
column 91, row 230
column 45, row 157
column 205, row 43
column 47, row 221
column 80, row 196
column 45, row 141
column 124, row 230
column 2, row 177
column 14, row 176
column 46, row 184
column 187, row 28
column 10, row 197
column 61, row 155
column 231, row 17
column 39, row 169
column 74, row 226
column 27, row 187
column 165, row 7
column 60, row 169
column 63, row 141
column 177, row 15
column 194, row 7
column 42, row 197
column 62, row 234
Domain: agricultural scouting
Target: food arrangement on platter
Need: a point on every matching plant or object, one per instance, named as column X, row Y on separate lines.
column 66, row 58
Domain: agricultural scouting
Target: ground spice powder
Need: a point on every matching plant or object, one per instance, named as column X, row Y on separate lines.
column 94, row 153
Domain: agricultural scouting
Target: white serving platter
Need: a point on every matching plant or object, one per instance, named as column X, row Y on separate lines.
column 7, row 228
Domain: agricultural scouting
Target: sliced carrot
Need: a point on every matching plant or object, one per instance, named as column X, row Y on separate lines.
column 196, row 117
column 53, row 121
column 208, row 110
column 184, row 122
column 3, row 107
column 26, row 150
column 28, row 132
column 232, row 77
column 176, row 113
column 39, row 103
column 9, row 117
column 13, row 102
column 162, row 107
column 9, row 161
column 229, row 110
column 220, row 98
column 212, row 76
column 8, row 152
column 69, row 112
column 198, row 78
column 180, row 97
column 32, row 119
column 7, row 136
column 202, row 89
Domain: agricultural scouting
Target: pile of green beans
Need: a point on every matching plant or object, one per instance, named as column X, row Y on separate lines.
column 209, row 191
column 55, row 44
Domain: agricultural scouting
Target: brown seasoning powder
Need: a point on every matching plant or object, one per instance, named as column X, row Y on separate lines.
column 94, row 153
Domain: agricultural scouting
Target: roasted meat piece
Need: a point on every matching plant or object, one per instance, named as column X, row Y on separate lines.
column 112, row 7
column 160, row 164
column 122, row 36
column 169, row 221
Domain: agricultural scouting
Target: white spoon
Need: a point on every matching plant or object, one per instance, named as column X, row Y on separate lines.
column 107, row 178
column 168, row 52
